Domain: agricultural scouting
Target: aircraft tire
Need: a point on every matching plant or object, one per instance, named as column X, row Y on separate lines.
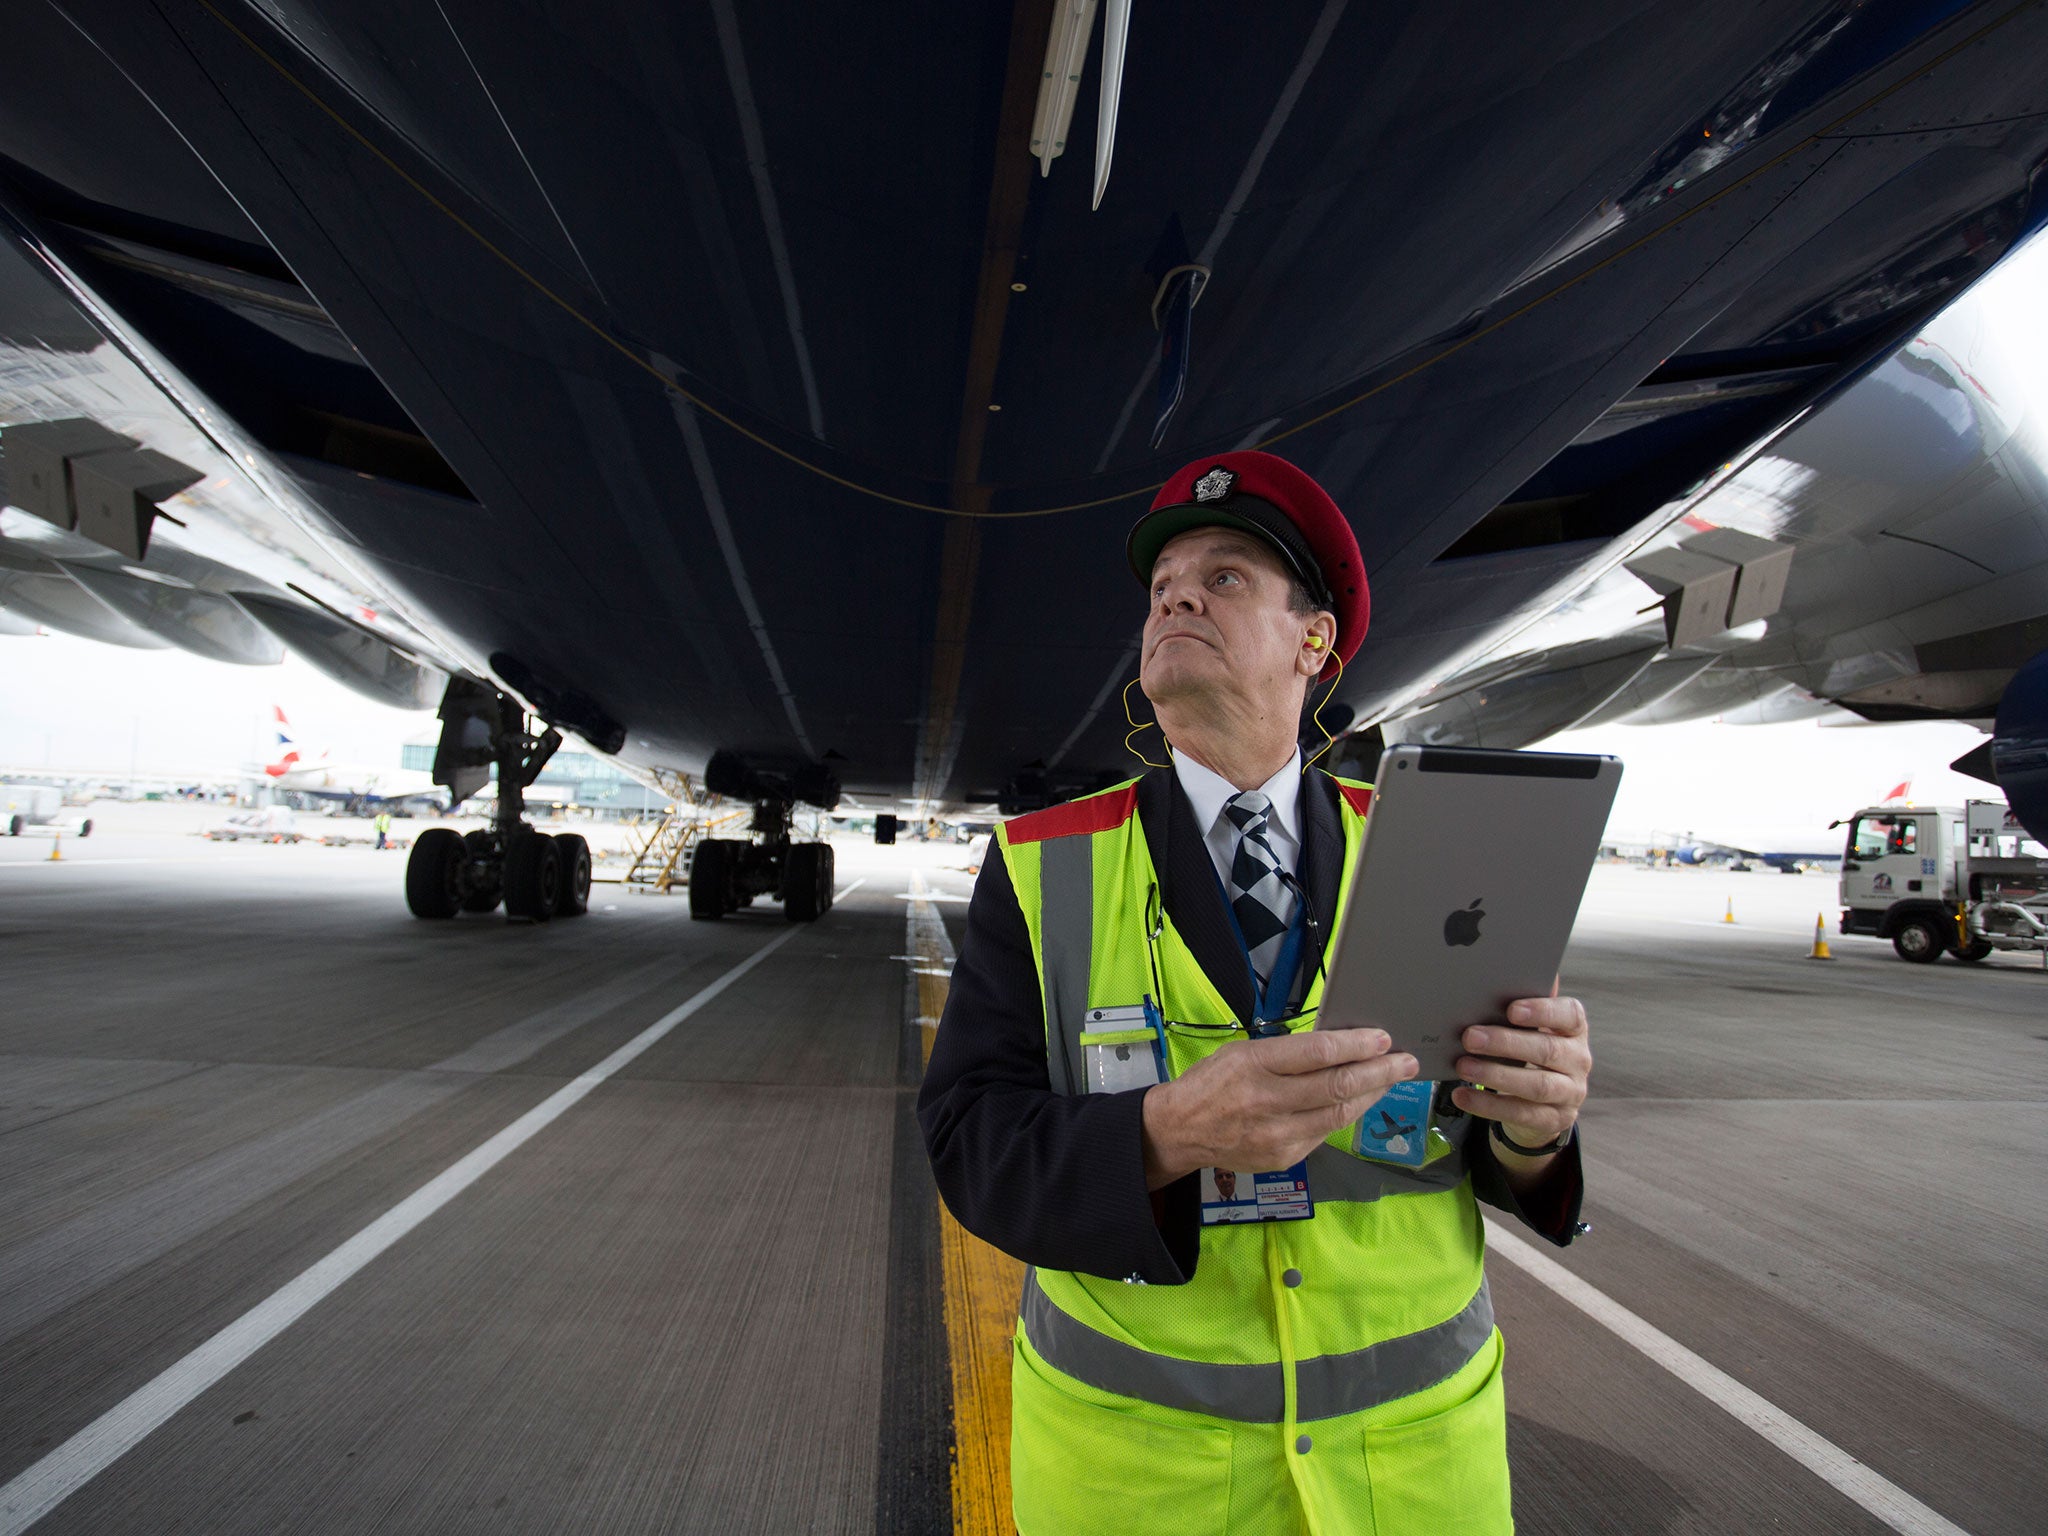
column 433, row 873
column 1918, row 942
column 483, row 897
column 828, row 882
column 710, row 879
column 807, row 882
column 572, row 896
column 533, row 877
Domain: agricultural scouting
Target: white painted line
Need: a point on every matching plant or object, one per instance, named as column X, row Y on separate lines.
column 1826, row 1460
column 922, row 895
column 45, row 1485
column 87, row 861
column 924, row 934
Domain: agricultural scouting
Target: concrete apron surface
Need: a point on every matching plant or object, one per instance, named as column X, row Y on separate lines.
column 705, row 1291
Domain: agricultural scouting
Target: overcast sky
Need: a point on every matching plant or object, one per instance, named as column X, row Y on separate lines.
column 70, row 704
column 74, row 704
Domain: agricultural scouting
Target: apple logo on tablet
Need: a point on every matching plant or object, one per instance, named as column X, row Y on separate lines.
column 1462, row 926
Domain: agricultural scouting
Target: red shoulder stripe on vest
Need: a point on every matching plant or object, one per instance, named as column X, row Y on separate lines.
column 1357, row 796
column 1098, row 813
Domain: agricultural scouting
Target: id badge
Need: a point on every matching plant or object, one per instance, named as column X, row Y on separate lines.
column 1396, row 1128
column 1281, row 1195
column 1120, row 1049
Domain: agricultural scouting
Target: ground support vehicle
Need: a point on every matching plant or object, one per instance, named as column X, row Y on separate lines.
column 1941, row 879
column 34, row 805
column 266, row 824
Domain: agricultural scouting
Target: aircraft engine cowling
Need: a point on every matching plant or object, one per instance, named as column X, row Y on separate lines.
column 2019, row 746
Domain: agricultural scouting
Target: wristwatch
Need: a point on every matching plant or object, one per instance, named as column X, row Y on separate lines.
column 1499, row 1134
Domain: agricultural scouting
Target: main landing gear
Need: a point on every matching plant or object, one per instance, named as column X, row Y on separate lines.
column 535, row 876
column 728, row 873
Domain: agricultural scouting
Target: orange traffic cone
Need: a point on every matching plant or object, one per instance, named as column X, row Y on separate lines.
column 57, row 850
column 1729, row 915
column 1820, row 938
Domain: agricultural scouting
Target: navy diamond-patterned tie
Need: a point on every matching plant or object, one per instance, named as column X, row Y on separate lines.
column 1258, row 895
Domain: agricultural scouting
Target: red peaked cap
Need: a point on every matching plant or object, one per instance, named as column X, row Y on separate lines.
column 1264, row 495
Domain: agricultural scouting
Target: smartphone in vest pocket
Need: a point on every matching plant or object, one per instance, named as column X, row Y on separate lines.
column 1122, row 1048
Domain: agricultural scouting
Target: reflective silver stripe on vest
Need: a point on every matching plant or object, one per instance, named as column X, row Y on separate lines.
column 1066, row 883
column 1327, row 1385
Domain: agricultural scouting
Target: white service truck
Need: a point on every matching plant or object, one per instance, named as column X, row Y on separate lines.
column 1945, row 879
column 34, row 805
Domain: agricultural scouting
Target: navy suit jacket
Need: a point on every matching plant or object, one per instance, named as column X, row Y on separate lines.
column 1059, row 1181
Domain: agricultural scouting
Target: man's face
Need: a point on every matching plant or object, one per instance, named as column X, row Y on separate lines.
column 1220, row 622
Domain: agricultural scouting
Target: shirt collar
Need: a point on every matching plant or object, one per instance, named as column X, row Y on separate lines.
column 1208, row 791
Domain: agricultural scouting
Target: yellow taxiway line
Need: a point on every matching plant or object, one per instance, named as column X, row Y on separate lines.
column 982, row 1286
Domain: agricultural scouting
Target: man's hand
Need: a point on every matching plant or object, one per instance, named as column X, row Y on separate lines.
column 1262, row 1104
column 1537, row 1065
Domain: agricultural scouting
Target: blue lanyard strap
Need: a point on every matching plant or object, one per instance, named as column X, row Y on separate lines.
column 1269, row 1002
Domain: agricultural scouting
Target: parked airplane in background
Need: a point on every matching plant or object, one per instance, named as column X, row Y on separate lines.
column 1736, row 857
column 782, row 424
column 358, row 787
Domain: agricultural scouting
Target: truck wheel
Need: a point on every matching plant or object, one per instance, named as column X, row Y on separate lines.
column 533, row 877
column 1918, row 941
column 572, row 897
column 15, row 824
column 85, row 827
column 433, row 873
column 710, row 877
column 1977, row 949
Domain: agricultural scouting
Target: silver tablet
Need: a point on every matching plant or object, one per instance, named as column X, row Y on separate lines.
column 1465, row 893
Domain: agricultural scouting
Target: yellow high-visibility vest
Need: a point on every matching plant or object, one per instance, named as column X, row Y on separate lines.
column 1334, row 1375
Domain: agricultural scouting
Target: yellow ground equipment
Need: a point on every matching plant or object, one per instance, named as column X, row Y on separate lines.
column 659, row 862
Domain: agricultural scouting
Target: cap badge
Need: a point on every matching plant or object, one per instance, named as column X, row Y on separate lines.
column 1215, row 485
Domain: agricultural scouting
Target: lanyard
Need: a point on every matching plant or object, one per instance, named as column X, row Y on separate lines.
column 1269, row 1002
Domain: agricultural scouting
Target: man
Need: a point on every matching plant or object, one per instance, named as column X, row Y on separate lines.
column 383, row 826
column 1190, row 1365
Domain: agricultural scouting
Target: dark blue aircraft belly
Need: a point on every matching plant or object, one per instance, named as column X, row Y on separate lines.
column 727, row 323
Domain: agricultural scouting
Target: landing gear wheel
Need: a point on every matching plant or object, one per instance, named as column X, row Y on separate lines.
column 533, row 877
column 433, row 874
column 486, row 879
column 1977, row 949
column 572, row 896
column 828, row 891
column 806, row 882
column 85, row 827
column 1918, row 941
column 710, row 881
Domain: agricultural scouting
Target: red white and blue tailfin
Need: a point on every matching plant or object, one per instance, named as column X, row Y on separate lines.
column 288, row 752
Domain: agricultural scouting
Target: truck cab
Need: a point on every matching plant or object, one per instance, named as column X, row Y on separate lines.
column 1943, row 879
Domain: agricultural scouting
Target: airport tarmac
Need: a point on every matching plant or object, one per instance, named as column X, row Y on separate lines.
column 317, row 1218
